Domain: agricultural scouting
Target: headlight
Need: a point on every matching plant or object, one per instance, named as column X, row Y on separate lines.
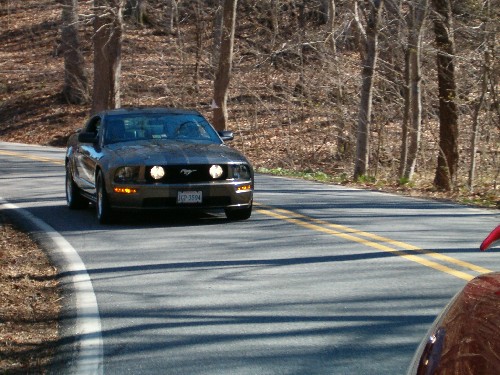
column 241, row 172
column 126, row 174
column 216, row 171
column 157, row 172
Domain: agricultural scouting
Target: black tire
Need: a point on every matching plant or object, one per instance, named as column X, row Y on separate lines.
column 74, row 198
column 103, row 210
column 235, row 214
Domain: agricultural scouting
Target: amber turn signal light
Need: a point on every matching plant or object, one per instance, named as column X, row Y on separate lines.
column 125, row 190
column 244, row 188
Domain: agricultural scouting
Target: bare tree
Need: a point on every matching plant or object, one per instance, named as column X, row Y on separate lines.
column 486, row 72
column 447, row 164
column 217, row 32
column 223, row 75
column 199, row 20
column 330, row 32
column 413, row 97
column 137, row 9
column 170, row 12
column 108, row 24
column 275, row 23
column 76, row 87
column 371, row 10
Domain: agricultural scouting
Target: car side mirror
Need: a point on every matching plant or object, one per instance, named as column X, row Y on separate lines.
column 85, row 137
column 226, row 135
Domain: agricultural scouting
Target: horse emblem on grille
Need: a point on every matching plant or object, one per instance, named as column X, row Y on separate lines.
column 187, row 172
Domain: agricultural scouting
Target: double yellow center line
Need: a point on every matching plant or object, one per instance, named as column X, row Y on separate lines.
column 31, row 157
column 427, row 258
column 442, row 263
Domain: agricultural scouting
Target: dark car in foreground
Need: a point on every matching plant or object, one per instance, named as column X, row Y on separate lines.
column 465, row 337
column 156, row 158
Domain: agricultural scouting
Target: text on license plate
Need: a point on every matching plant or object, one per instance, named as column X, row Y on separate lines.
column 186, row 197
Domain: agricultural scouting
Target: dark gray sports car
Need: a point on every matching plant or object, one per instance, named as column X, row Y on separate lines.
column 156, row 158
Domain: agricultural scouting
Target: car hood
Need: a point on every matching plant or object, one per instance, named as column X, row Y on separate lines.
column 171, row 153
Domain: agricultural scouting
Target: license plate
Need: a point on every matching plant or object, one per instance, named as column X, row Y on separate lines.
column 187, row 197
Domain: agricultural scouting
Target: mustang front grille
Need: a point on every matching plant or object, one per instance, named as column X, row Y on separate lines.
column 178, row 174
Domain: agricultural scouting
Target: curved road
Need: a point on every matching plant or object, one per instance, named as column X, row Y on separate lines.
column 321, row 280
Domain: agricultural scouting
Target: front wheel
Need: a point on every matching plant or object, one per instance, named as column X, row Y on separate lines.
column 104, row 214
column 238, row 213
column 74, row 199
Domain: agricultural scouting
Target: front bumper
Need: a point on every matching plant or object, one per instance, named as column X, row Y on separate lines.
column 219, row 194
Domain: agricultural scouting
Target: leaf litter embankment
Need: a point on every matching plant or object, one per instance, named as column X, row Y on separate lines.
column 30, row 304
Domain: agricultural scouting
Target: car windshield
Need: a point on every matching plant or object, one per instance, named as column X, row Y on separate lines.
column 184, row 127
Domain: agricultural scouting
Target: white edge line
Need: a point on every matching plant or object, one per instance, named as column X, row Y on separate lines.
column 88, row 323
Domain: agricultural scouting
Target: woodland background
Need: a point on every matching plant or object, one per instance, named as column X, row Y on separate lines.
column 294, row 97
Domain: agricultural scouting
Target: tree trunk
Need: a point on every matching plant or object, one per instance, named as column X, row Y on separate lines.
column 370, row 54
column 107, row 54
column 391, row 36
column 448, row 113
column 217, row 33
column 403, row 158
column 200, row 27
column 330, row 31
column 275, row 23
column 137, row 10
column 475, row 132
column 170, row 16
column 324, row 10
column 76, row 86
column 417, row 17
column 223, row 75
column 486, row 69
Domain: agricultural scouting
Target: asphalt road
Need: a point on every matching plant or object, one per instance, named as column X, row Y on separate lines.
column 321, row 280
